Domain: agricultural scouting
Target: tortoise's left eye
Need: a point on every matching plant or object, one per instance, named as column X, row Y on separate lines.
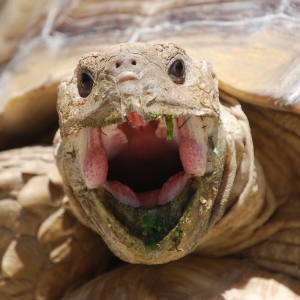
column 177, row 71
column 85, row 84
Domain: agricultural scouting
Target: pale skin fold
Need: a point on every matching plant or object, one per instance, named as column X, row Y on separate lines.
column 231, row 213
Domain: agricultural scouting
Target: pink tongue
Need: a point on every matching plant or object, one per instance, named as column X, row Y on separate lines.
column 94, row 162
column 123, row 193
column 172, row 188
column 168, row 192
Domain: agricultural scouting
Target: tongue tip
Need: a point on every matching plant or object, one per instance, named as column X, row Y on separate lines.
column 93, row 184
column 167, row 193
column 122, row 193
column 172, row 188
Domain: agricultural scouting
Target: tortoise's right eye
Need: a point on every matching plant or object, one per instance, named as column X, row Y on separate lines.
column 177, row 71
column 85, row 84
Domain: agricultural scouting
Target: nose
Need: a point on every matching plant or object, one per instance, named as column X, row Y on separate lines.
column 127, row 62
column 127, row 67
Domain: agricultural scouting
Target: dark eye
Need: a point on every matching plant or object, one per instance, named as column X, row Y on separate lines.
column 177, row 71
column 85, row 84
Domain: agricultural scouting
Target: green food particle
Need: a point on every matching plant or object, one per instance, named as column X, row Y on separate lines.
column 150, row 224
column 169, row 123
column 152, row 245
column 184, row 122
column 213, row 148
column 152, row 114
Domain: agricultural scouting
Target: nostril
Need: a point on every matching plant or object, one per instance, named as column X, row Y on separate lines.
column 117, row 64
column 133, row 62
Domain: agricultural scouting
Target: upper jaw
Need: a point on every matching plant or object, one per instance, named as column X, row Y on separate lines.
column 109, row 103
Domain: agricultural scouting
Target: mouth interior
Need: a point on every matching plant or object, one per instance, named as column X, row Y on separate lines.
column 147, row 162
column 143, row 163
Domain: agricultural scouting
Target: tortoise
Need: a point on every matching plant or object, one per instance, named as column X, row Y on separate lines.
column 199, row 187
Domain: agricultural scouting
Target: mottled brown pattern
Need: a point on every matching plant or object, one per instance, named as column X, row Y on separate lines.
column 45, row 250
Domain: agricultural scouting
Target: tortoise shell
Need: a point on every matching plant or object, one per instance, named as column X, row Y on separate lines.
column 47, row 253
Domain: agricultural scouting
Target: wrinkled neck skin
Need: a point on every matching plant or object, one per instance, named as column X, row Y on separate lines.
column 118, row 144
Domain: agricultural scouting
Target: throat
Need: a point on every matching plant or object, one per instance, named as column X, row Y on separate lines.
column 147, row 163
column 147, row 172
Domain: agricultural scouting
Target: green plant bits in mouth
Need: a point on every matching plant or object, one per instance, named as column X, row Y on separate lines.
column 152, row 223
column 152, row 114
column 140, row 144
column 169, row 123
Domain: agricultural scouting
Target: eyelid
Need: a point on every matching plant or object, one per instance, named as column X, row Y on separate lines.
column 87, row 72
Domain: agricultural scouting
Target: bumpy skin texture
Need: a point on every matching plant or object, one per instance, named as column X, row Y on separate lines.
column 109, row 102
column 45, row 252
column 233, row 220
column 241, row 212
column 237, row 181
column 154, row 92
column 193, row 278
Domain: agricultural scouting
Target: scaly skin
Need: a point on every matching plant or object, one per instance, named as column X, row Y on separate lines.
column 234, row 180
column 232, row 211
column 45, row 252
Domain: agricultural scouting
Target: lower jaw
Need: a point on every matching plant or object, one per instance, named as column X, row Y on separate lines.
column 150, row 223
column 180, row 225
column 147, row 234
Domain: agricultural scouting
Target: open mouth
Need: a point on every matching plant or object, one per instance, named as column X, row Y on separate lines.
column 143, row 164
column 145, row 172
column 142, row 149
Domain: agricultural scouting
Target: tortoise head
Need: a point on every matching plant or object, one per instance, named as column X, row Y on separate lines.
column 141, row 148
